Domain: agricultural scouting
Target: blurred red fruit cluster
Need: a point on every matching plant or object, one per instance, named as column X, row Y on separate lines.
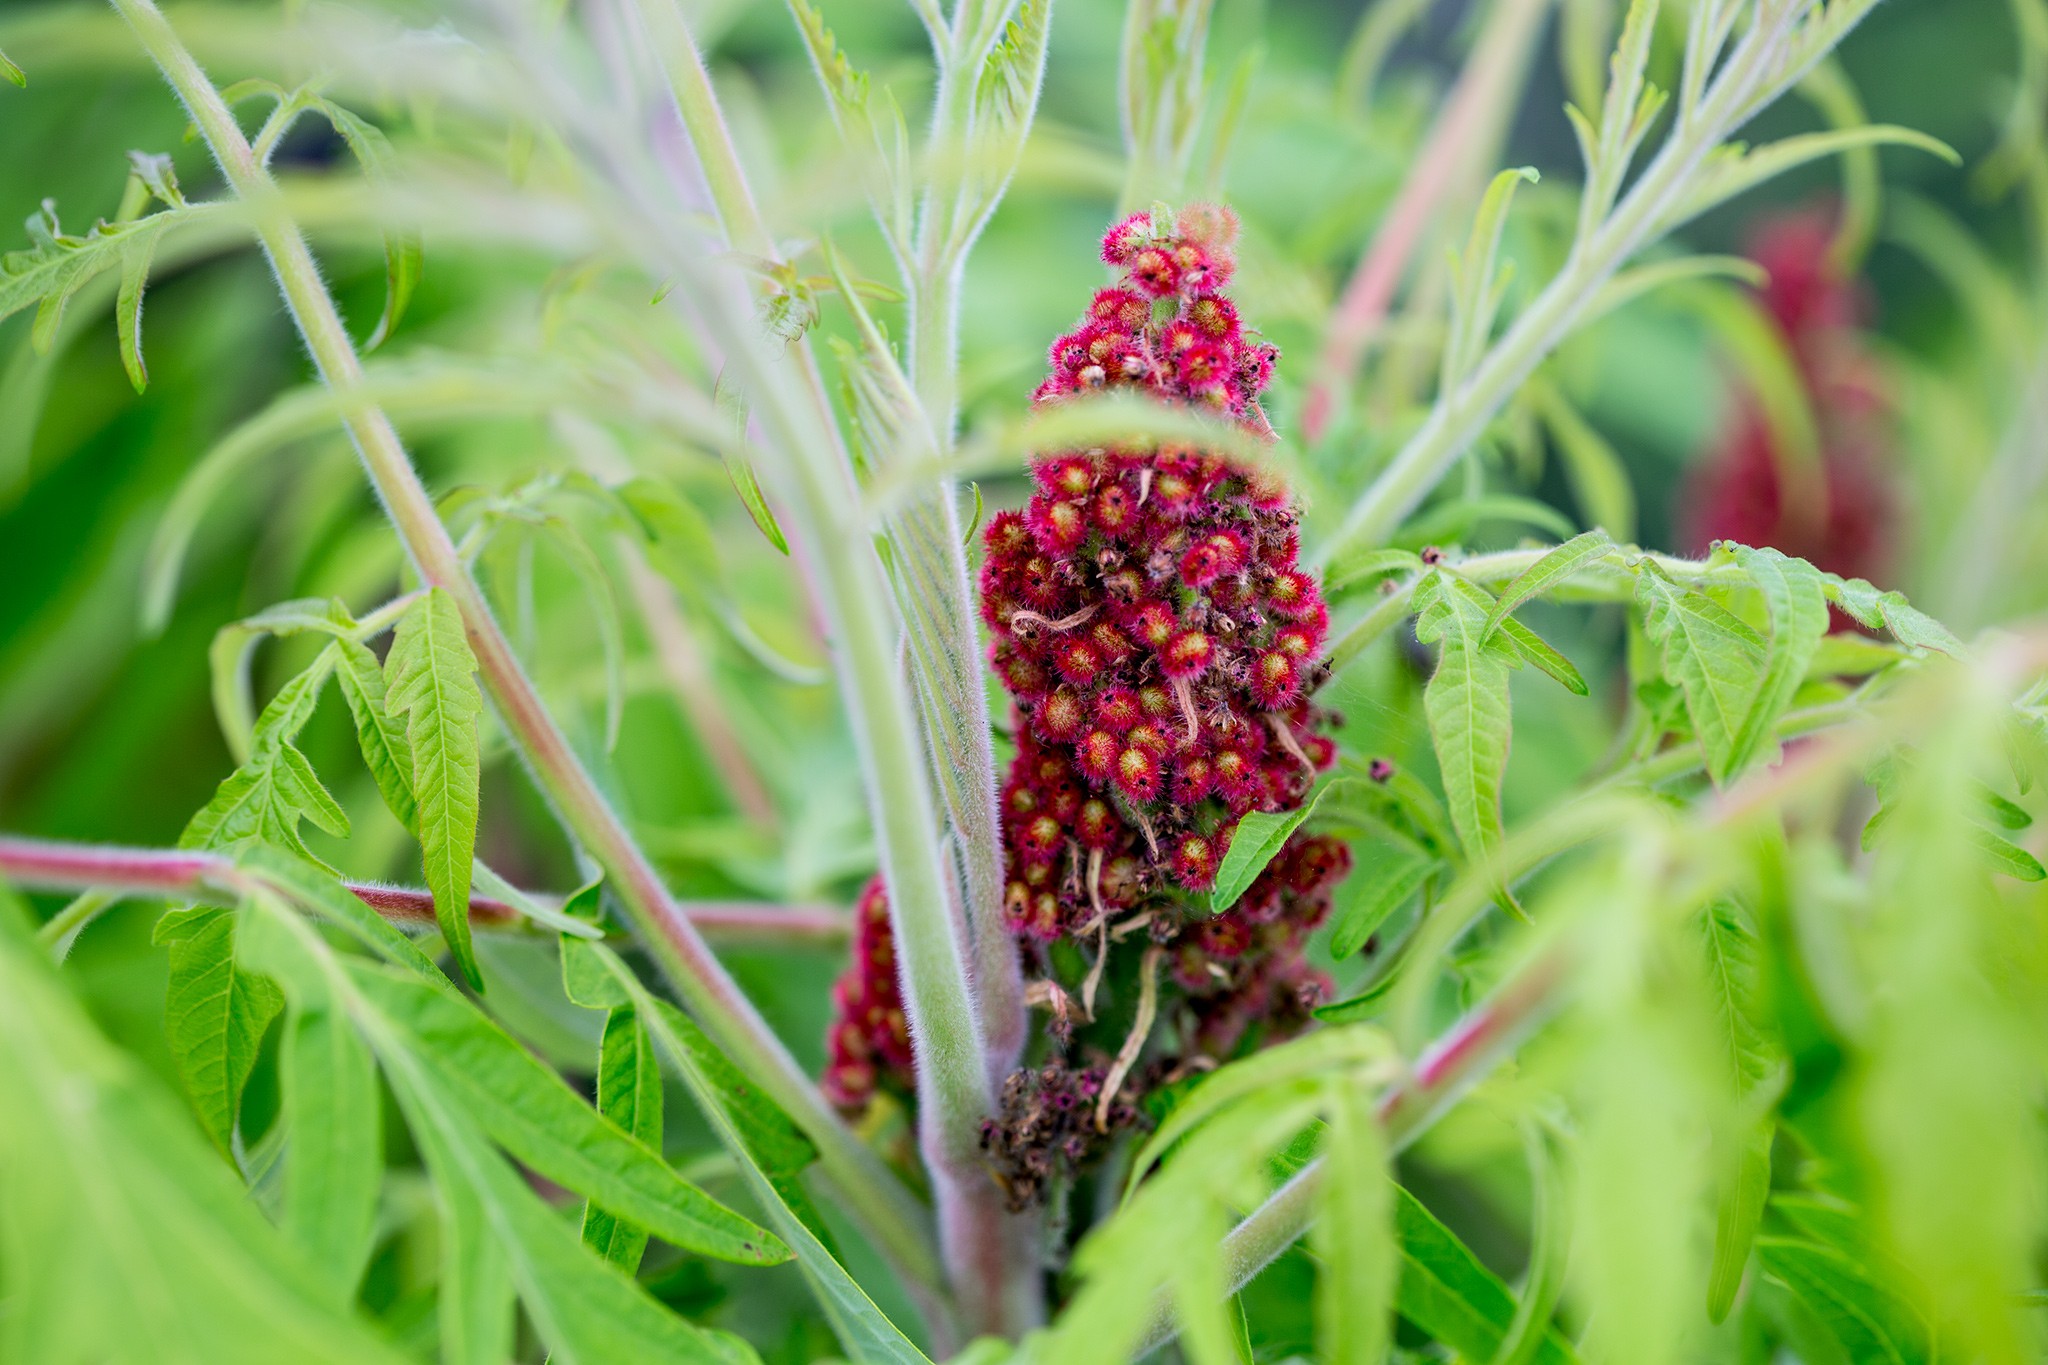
column 869, row 1043
column 1843, row 516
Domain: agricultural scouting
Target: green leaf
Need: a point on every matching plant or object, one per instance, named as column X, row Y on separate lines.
column 1549, row 1251
column 403, row 258
column 1466, row 701
column 629, row 1094
column 868, row 1336
column 2007, row 856
column 1378, row 887
column 49, row 272
column 264, row 800
column 126, row 1239
column 1715, row 659
column 1452, row 520
column 1353, row 1233
column 215, row 1015
column 1868, row 1322
column 387, row 753
column 334, row 1159
column 1259, row 838
column 1309, row 1057
column 137, row 252
column 1450, row 1295
column 733, row 407
column 316, row 889
column 1553, row 570
column 1475, row 283
column 1798, row 608
column 1359, row 1008
column 585, row 1309
column 527, row 1108
column 12, row 72
column 1891, row 611
column 1732, row 956
column 1734, row 168
column 1366, row 566
column 1745, row 1184
column 475, row 1296
column 430, row 677
column 1534, row 649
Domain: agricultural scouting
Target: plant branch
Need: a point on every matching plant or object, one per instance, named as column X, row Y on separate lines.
column 1754, row 69
column 176, row 874
column 880, row 1201
column 1471, row 115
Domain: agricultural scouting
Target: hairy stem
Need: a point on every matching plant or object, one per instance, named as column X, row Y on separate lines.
column 176, row 874
column 885, row 1208
column 966, row 1011
column 1646, row 211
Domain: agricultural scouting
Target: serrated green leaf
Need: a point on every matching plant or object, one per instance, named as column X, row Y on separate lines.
column 1375, row 889
column 526, row 1107
column 126, row 1239
column 1745, row 1183
column 335, row 1158
column 1891, row 611
column 1354, row 1234
column 2007, row 856
column 1259, row 838
column 1466, row 702
column 430, row 680
column 862, row 1328
column 1534, row 649
column 215, row 1015
column 1868, row 1322
column 264, row 800
column 629, row 1094
column 1792, row 592
column 48, row 273
column 1450, row 1295
column 387, row 753
column 1733, row 978
column 586, row 1310
column 315, row 889
column 1715, row 660
column 1553, row 570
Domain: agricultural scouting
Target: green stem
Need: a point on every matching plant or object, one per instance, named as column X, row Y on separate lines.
column 884, row 1207
column 1463, row 412
column 964, row 1038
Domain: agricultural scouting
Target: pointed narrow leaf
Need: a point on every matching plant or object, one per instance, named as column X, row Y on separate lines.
column 1259, row 838
column 1534, row 649
column 1792, row 592
column 1552, row 571
column 12, row 72
column 1449, row 1294
column 629, row 1094
column 868, row 1336
column 136, row 254
column 1354, row 1231
column 387, row 753
column 1466, row 702
column 264, row 800
column 126, row 1238
column 2008, row 857
column 316, row 889
column 526, row 1107
column 335, row 1158
column 1715, row 659
column 585, row 1309
column 1738, row 1213
column 474, row 1301
column 430, row 677
column 1868, row 1322
column 215, row 1015
column 1378, row 888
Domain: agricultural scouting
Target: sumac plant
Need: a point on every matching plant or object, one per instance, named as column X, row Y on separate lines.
column 695, row 544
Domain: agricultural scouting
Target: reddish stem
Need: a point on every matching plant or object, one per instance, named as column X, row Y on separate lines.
column 48, row 865
column 1487, row 80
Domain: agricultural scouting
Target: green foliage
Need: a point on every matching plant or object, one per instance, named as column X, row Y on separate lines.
column 430, row 678
column 1467, row 704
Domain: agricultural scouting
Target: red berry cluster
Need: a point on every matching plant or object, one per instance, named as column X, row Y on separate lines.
column 1150, row 620
column 1739, row 493
column 869, row 1043
column 1248, row 965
